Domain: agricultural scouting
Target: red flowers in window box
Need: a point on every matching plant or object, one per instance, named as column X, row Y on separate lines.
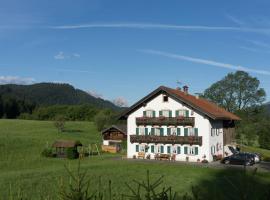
column 161, row 118
column 180, row 118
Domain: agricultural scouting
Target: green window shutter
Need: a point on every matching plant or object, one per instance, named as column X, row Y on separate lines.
column 168, row 149
column 178, row 150
column 187, row 113
column 196, row 150
column 178, row 131
column 154, row 113
column 185, row 131
column 144, row 113
column 152, row 131
column 168, row 131
column 137, row 148
column 137, row 131
column 177, row 113
column 161, row 132
column 185, row 150
column 161, row 149
column 160, row 113
column 146, row 131
column 196, row 132
column 152, row 148
column 170, row 113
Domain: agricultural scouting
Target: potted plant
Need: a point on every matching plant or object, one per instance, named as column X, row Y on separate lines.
column 134, row 157
column 187, row 159
column 148, row 156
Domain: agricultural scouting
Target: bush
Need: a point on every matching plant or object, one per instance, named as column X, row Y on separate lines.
column 47, row 153
column 72, row 153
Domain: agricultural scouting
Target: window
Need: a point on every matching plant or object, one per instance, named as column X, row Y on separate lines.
column 149, row 113
column 213, row 151
column 169, row 149
column 173, row 131
column 213, row 132
column 165, row 98
column 142, row 148
column 219, row 131
column 191, row 150
column 182, row 113
column 152, row 149
column 157, row 131
column 217, row 147
column 165, row 113
column 137, row 148
column 161, row 149
column 191, row 131
column 178, row 150
column 142, row 131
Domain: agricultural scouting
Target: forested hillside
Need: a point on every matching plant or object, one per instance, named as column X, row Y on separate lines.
column 46, row 94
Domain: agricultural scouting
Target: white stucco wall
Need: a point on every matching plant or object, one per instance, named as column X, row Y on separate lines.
column 157, row 104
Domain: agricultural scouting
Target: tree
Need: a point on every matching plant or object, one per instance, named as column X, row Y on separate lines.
column 60, row 123
column 236, row 91
column 104, row 118
column 11, row 108
column 1, row 107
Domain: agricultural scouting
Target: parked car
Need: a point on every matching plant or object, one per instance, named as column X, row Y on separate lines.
column 239, row 159
column 256, row 156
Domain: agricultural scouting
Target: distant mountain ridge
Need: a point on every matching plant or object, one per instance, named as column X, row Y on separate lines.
column 46, row 94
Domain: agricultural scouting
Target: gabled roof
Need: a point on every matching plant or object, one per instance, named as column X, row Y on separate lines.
column 121, row 127
column 204, row 106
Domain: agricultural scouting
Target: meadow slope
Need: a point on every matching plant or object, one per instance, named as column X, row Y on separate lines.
column 21, row 164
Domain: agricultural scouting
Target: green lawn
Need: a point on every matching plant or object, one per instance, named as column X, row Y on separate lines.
column 21, row 165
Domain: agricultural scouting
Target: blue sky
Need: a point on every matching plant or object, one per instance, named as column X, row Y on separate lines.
column 128, row 48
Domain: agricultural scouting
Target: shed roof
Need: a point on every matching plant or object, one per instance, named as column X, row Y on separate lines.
column 208, row 108
column 121, row 127
column 66, row 143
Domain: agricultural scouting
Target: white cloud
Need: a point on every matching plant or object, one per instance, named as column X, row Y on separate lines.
column 120, row 101
column 235, row 20
column 95, row 94
column 62, row 56
column 164, row 27
column 16, row 80
column 206, row 62
column 76, row 55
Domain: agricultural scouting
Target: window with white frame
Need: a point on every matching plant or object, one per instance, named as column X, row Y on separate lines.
column 165, row 113
column 213, row 132
column 149, row 113
column 173, row 131
column 181, row 113
column 142, row 148
column 142, row 130
column 192, row 150
column 191, row 131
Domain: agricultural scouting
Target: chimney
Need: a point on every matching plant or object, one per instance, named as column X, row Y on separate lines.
column 185, row 88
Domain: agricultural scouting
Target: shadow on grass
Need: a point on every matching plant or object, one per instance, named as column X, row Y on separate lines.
column 228, row 184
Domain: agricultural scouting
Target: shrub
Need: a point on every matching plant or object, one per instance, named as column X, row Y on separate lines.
column 47, row 152
column 72, row 153
column 60, row 123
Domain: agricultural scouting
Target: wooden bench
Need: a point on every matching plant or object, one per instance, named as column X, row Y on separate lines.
column 162, row 157
column 141, row 155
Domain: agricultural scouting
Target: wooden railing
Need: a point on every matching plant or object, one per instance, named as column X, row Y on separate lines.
column 171, row 139
column 166, row 121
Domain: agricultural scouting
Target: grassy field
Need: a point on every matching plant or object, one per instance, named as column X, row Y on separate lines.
column 21, row 165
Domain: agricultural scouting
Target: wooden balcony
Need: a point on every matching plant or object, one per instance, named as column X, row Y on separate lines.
column 166, row 121
column 172, row 139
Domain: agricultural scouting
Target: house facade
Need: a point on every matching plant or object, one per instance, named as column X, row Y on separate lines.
column 176, row 123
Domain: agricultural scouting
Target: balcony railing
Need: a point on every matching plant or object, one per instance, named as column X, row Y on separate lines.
column 166, row 121
column 171, row 139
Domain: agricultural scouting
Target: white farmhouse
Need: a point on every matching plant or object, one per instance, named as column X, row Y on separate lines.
column 171, row 123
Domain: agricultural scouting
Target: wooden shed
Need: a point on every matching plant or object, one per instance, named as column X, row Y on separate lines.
column 61, row 146
column 113, row 138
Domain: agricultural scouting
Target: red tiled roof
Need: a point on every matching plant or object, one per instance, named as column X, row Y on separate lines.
column 208, row 108
column 211, row 109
